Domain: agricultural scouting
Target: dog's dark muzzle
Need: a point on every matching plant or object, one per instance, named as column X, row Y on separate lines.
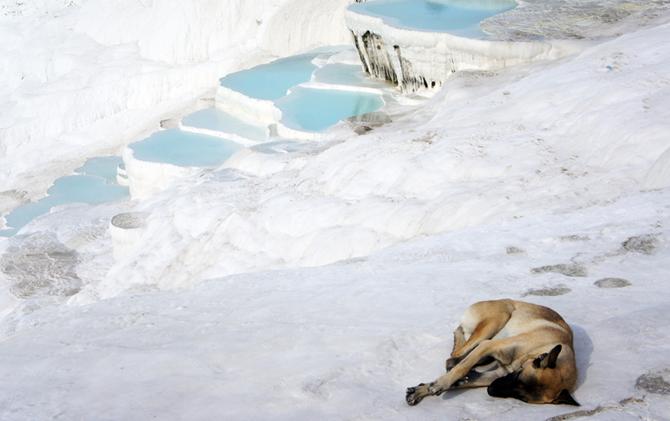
column 504, row 387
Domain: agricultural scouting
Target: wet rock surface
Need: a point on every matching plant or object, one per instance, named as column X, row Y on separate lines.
column 512, row 250
column 583, row 413
column 362, row 129
column 367, row 122
column 654, row 382
column 574, row 238
column 40, row 265
column 376, row 119
column 567, row 269
column 130, row 220
column 645, row 244
column 548, row 291
column 608, row 283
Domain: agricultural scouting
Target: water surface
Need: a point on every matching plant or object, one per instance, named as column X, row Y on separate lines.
column 344, row 74
column 220, row 121
column 184, row 149
column 317, row 109
column 93, row 183
column 272, row 81
column 458, row 17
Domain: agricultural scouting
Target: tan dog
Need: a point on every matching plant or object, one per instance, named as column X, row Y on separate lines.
column 519, row 350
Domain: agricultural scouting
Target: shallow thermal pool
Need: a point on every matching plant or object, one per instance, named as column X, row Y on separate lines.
column 317, row 109
column 302, row 88
column 344, row 74
column 184, row 149
column 272, row 81
column 458, row 17
column 216, row 120
column 93, row 183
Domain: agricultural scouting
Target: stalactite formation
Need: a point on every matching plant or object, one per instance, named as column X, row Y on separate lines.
column 411, row 80
column 378, row 59
column 361, row 52
column 388, row 64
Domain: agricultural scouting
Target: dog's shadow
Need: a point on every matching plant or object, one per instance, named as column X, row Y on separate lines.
column 583, row 350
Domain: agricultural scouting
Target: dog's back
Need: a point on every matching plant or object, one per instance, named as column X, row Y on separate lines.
column 521, row 317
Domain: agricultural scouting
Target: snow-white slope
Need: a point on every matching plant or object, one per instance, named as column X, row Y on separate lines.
column 559, row 137
column 344, row 341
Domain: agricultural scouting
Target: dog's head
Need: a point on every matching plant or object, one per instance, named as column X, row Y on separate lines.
column 539, row 380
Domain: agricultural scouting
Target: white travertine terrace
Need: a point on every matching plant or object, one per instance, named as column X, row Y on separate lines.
column 126, row 230
column 251, row 110
column 216, row 133
column 122, row 176
column 147, row 178
column 416, row 60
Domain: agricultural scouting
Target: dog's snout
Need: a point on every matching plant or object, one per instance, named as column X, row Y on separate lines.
column 503, row 387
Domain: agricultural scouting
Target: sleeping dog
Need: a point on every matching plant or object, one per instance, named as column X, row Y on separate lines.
column 517, row 349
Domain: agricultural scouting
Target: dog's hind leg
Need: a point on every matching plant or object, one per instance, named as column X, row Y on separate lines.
column 459, row 341
column 481, row 321
column 485, row 329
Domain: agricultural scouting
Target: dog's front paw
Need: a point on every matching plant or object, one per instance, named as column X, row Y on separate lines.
column 416, row 394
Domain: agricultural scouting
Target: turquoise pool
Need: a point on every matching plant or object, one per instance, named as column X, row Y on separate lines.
column 458, row 17
column 272, row 81
column 184, row 149
column 217, row 120
column 344, row 74
column 317, row 109
column 93, row 183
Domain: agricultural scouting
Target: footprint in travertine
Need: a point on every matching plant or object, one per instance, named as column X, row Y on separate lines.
column 130, row 220
column 574, row 237
column 654, row 382
column 645, row 244
column 567, row 269
column 612, row 283
column 548, row 291
column 319, row 387
column 512, row 251
column 316, row 388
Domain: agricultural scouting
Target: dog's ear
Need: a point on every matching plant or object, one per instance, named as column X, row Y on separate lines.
column 553, row 356
column 564, row 398
column 540, row 361
column 548, row 360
